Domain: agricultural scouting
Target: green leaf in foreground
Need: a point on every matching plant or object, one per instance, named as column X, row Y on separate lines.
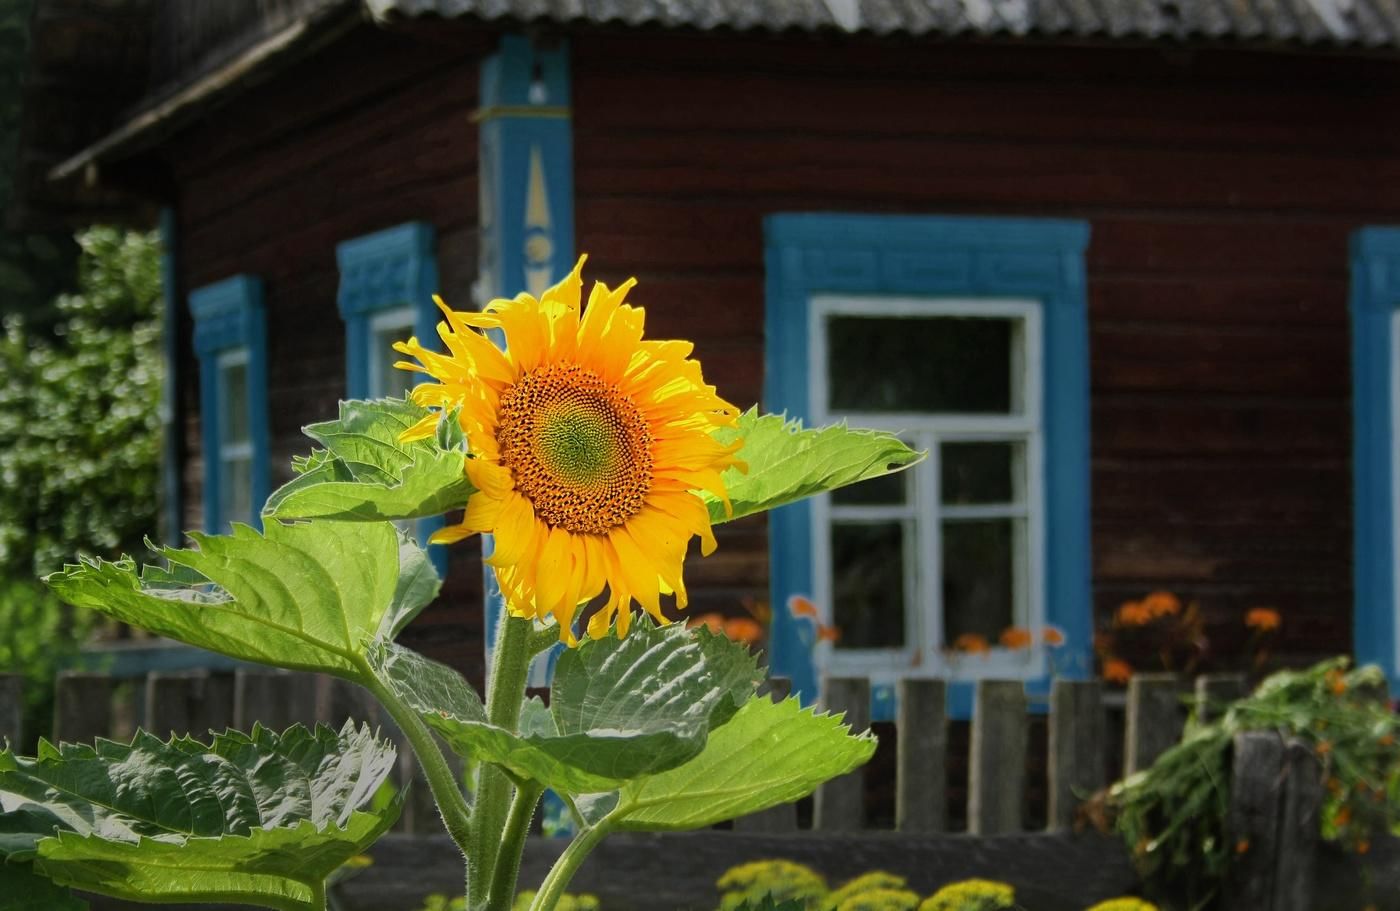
column 364, row 473
column 768, row 754
column 620, row 708
column 264, row 818
column 787, row 463
column 21, row 889
column 305, row 596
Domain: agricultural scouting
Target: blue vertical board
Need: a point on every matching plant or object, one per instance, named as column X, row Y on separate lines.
column 385, row 270
column 526, row 215
column 965, row 257
column 1374, row 303
column 228, row 316
column 171, row 502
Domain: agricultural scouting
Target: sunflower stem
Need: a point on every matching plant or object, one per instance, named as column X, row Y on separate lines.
column 552, row 889
column 505, row 691
column 522, row 811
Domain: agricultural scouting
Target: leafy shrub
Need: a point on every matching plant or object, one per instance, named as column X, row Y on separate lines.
column 1173, row 814
column 782, row 880
column 881, row 900
column 972, row 895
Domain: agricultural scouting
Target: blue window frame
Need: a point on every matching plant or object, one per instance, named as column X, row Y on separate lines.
column 1007, row 430
column 230, row 339
column 1375, row 341
column 387, row 283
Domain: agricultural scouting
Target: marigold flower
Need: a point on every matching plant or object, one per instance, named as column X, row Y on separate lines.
column 800, row 606
column 1336, row 682
column 828, row 633
column 1242, row 846
column 742, row 629
column 1262, row 619
column 1363, row 847
column 587, row 446
column 1116, row 670
column 971, row 643
column 1342, row 816
column 1133, row 613
column 1161, row 604
column 712, row 620
column 1015, row 637
column 1323, row 747
column 1053, row 636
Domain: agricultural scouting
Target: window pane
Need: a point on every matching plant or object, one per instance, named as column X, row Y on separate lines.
column 236, row 490
column 886, row 490
column 388, row 379
column 982, row 472
column 233, row 390
column 867, row 568
column 979, row 568
column 951, row 364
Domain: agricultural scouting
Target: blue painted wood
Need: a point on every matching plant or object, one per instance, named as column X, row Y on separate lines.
column 229, row 315
column 808, row 254
column 526, row 216
column 1374, row 301
column 385, row 270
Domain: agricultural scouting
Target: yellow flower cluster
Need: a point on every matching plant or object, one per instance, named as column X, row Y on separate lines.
column 1124, row 904
column 972, row 895
column 876, row 881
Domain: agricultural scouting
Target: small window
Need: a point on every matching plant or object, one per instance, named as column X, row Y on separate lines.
column 920, row 560
column 385, row 328
column 235, row 453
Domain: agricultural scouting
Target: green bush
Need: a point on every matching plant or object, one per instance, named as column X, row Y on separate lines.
column 782, row 880
column 876, row 880
column 972, row 895
column 79, row 444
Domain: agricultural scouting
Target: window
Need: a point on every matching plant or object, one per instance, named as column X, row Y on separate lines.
column 387, row 283
column 968, row 338
column 1375, row 327
column 910, row 563
column 230, row 340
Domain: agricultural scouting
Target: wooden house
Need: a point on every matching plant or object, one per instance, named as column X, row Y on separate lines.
column 1122, row 267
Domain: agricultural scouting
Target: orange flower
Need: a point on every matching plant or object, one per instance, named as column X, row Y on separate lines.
column 1015, row 637
column 1242, row 846
column 1116, row 670
column 1341, row 817
column 1363, row 846
column 1053, row 636
column 742, row 629
column 971, row 643
column 1387, row 740
column 1323, row 748
column 1263, row 619
column 1334, row 785
column 1336, row 682
column 714, row 621
column 828, row 633
column 1133, row 613
column 1161, row 604
column 800, row 606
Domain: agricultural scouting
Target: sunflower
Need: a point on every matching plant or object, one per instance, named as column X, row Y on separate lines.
column 587, row 448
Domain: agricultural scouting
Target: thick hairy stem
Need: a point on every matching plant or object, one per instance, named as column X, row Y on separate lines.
column 522, row 811
column 447, row 794
column 505, row 691
column 552, row 889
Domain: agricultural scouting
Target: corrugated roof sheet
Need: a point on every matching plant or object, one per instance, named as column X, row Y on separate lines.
column 1365, row 23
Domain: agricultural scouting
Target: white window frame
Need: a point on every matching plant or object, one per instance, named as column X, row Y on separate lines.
column 230, row 452
column 923, row 655
column 402, row 318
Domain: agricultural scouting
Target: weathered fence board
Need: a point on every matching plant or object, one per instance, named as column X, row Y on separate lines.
column 1215, row 691
column 188, row 702
column 997, row 760
column 921, row 763
column 82, row 708
column 272, row 698
column 1154, row 719
column 1076, row 766
column 840, row 803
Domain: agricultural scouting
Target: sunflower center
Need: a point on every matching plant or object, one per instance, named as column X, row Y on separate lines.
column 578, row 447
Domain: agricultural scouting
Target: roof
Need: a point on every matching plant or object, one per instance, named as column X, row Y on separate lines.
column 1358, row 23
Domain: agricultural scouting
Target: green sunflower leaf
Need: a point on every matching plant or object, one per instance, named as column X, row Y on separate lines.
column 768, row 754
column 306, row 596
column 364, row 473
column 22, row 889
column 787, row 463
column 619, row 708
column 264, row 817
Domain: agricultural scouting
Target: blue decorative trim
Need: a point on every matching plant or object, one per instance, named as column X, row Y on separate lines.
column 1375, row 300
column 946, row 256
column 172, row 502
column 381, row 271
column 526, row 217
column 228, row 315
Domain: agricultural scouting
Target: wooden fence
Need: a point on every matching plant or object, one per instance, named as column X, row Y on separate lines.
column 1276, row 795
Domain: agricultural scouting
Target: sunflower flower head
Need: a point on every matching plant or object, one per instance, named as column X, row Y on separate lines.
column 587, row 447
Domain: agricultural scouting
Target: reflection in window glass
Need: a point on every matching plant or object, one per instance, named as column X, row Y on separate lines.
column 868, row 576
column 886, row 490
column 386, row 379
column 235, row 453
column 936, row 364
column 980, row 473
column 236, row 489
column 233, row 389
column 979, row 567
